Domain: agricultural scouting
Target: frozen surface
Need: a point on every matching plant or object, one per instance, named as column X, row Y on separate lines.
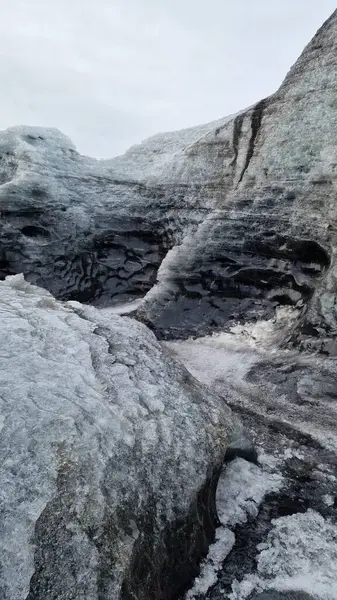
column 98, row 421
column 241, row 489
column 300, row 553
column 268, row 236
column 217, row 225
column 228, row 356
column 251, row 369
column 287, row 400
column 224, row 542
column 160, row 154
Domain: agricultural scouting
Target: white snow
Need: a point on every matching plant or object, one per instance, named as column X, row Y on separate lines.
column 224, row 542
column 223, row 360
column 241, row 489
column 300, row 553
column 228, row 356
column 328, row 499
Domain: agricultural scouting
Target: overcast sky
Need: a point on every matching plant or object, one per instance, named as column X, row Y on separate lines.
column 109, row 73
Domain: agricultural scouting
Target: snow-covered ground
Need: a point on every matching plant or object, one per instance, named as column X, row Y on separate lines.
column 278, row 522
column 228, row 356
column 287, row 402
column 251, row 370
column 298, row 554
column 296, row 550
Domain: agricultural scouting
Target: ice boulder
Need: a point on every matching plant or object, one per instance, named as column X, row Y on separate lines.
column 109, row 455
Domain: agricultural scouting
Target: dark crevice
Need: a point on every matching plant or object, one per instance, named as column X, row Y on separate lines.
column 242, row 276
column 34, row 231
column 238, row 122
column 165, row 569
column 279, row 427
column 256, row 124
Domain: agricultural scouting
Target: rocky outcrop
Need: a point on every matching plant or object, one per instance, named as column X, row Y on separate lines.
column 110, row 454
column 229, row 220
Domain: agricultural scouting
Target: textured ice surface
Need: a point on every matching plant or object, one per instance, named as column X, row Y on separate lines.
column 230, row 221
column 249, row 367
column 229, row 355
column 162, row 155
column 224, row 542
column 269, row 236
column 241, row 490
column 101, row 432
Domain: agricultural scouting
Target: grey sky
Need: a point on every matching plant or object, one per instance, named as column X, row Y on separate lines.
column 109, row 73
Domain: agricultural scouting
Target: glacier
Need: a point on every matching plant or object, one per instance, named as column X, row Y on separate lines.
column 160, row 312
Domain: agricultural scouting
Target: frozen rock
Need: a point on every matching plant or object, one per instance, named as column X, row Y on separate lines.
column 109, row 455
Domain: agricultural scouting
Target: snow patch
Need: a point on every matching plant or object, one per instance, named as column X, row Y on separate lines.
column 241, row 489
column 224, row 542
column 300, row 553
column 230, row 355
column 260, row 334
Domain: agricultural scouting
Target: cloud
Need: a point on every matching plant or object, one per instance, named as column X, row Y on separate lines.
column 111, row 72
